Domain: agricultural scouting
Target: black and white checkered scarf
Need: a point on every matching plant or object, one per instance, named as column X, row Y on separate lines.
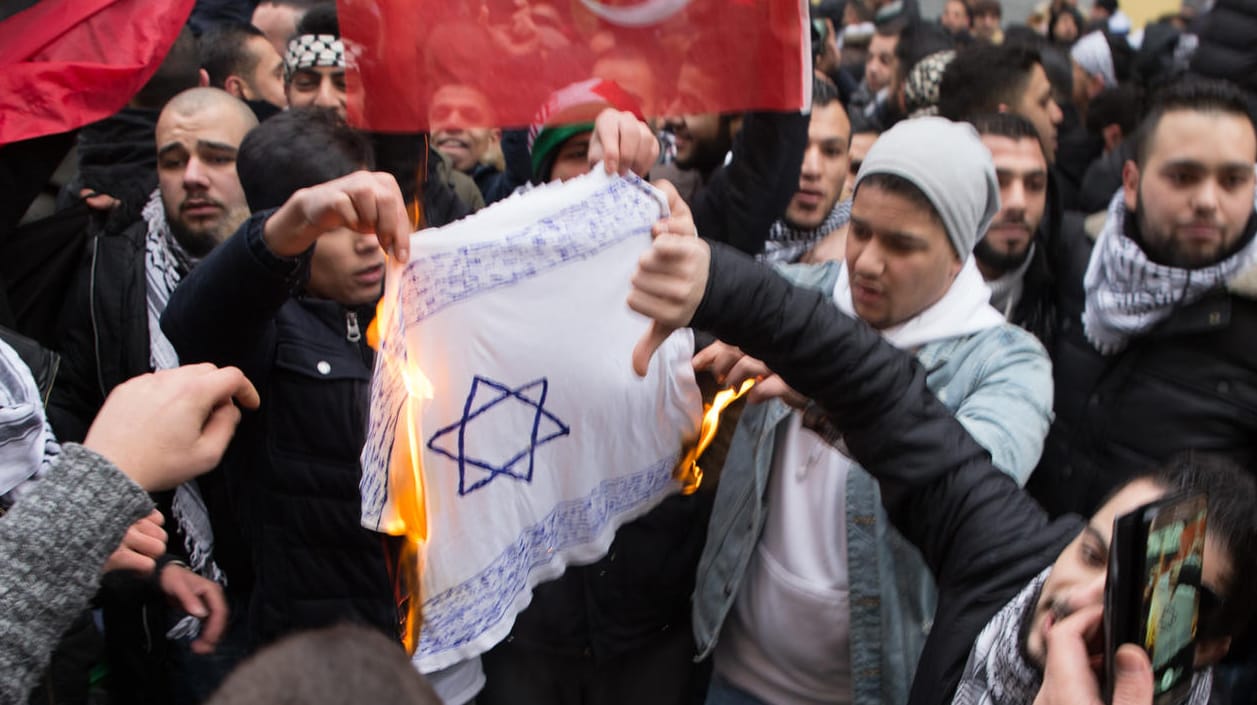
column 787, row 244
column 1127, row 293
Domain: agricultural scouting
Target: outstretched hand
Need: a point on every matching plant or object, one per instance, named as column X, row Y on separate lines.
column 623, row 143
column 366, row 202
column 165, row 428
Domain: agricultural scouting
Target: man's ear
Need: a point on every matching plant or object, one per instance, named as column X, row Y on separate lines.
column 1130, row 184
column 1003, row 108
column 1211, row 651
column 202, row 78
column 235, row 86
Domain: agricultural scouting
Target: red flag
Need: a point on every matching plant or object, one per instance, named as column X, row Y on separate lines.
column 66, row 64
column 674, row 56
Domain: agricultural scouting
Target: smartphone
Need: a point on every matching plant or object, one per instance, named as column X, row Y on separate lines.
column 1152, row 595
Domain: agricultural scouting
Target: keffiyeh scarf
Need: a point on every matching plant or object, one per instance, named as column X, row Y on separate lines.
column 307, row 50
column 1127, row 293
column 998, row 673
column 27, row 446
column 787, row 244
column 166, row 263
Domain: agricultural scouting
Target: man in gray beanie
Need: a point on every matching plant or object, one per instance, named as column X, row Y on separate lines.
column 805, row 592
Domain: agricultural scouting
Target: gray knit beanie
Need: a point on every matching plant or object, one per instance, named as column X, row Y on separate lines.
column 950, row 165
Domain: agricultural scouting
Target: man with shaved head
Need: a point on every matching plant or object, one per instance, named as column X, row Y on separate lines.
column 109, row 333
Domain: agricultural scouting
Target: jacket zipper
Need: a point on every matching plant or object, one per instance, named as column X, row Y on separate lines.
column 352, row 333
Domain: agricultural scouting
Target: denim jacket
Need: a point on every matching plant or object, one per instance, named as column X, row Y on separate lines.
column 998, row 382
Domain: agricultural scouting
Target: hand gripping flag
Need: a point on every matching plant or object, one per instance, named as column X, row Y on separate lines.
column 674, row 56
column 509, row 436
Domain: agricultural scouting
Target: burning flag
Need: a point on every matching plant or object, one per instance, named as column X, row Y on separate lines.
column 675, row 56
column 509, row 436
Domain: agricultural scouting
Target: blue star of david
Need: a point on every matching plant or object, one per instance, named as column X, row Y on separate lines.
column 486, row 396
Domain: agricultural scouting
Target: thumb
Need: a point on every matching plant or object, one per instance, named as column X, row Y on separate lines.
column 647, row 346
column 188, row 600
column 1133, row 685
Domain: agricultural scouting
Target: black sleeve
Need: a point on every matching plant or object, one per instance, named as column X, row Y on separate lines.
column 742, row 200
column 77, row 392
column 938, row 485
column 222, row 312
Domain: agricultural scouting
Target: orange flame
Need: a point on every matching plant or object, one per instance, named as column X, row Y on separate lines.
column 406, row 487
column 688, row 472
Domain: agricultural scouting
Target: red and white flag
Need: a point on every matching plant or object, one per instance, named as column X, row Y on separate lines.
column 674, row 56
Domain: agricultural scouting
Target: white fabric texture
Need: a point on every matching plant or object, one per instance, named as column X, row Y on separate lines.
column 27, row 445
column 1127, row 293
column 964, row 310
column 537, row 440
column 1093, row 54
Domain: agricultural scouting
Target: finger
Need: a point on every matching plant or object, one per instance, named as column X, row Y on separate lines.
column 630, row 144
column 393, row 228
column 770, row 387
column 743, row 368
column 646, row 347
column 144, row 544
column 229, row 383
column 213, row 626
column 155, row 517
column 1133, row 682
column 363, row 197
column 676, row 205
column 150, row 528
column 706, row 357
column 215, row 435
column 647, row 150
column 126, row 559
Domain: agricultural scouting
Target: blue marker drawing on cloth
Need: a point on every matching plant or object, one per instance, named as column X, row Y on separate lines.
column 451, row 441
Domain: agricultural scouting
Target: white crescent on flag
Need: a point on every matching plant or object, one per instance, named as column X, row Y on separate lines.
column 642, row 14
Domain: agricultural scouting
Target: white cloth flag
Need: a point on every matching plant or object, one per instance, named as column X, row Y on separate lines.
column 537, row 440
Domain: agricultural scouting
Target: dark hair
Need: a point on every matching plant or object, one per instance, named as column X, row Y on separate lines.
column 320, row 19
column 982, row 77
column 863, row 10
column 339, row 665
column 1202, row 95
column 225, row 51
column 824, row 92
column 1080, row 25
column 899, row 186
column 919, row 41
column 1119, row 106
column 1232, row 507
column 1010, row 125
column 986, row 7
column 297, row 149
column 179, row 71
column 298, row 4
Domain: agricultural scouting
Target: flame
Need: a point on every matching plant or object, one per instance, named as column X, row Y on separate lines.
column 688, row 472
column 406, row 486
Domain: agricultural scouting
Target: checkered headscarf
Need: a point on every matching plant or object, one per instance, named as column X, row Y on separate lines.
column 307, row 50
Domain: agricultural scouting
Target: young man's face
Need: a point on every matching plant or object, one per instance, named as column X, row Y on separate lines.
column 955, row 17
column 1078, row 575
column 347, row 267
column 860, row 144
column 460, row 119
column 1022, row 172
column 267, row 80
column 196, row 173
column 986, row 25
column 898, row 257
column 572, row 158
column 702, row 139
column 882, row 63
column 323, row 86
column 824, row 169
column 1194, row 195
column 1036, row 105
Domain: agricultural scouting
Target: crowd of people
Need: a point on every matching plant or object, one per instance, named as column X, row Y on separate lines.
column 997, row 286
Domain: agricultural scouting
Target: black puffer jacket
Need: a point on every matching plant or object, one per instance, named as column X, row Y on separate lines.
column 983, row 538
column 1226, row 48
column 1188, row 383
column 292, row 470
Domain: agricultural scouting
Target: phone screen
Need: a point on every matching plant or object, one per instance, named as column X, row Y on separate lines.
column 1174, row 556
